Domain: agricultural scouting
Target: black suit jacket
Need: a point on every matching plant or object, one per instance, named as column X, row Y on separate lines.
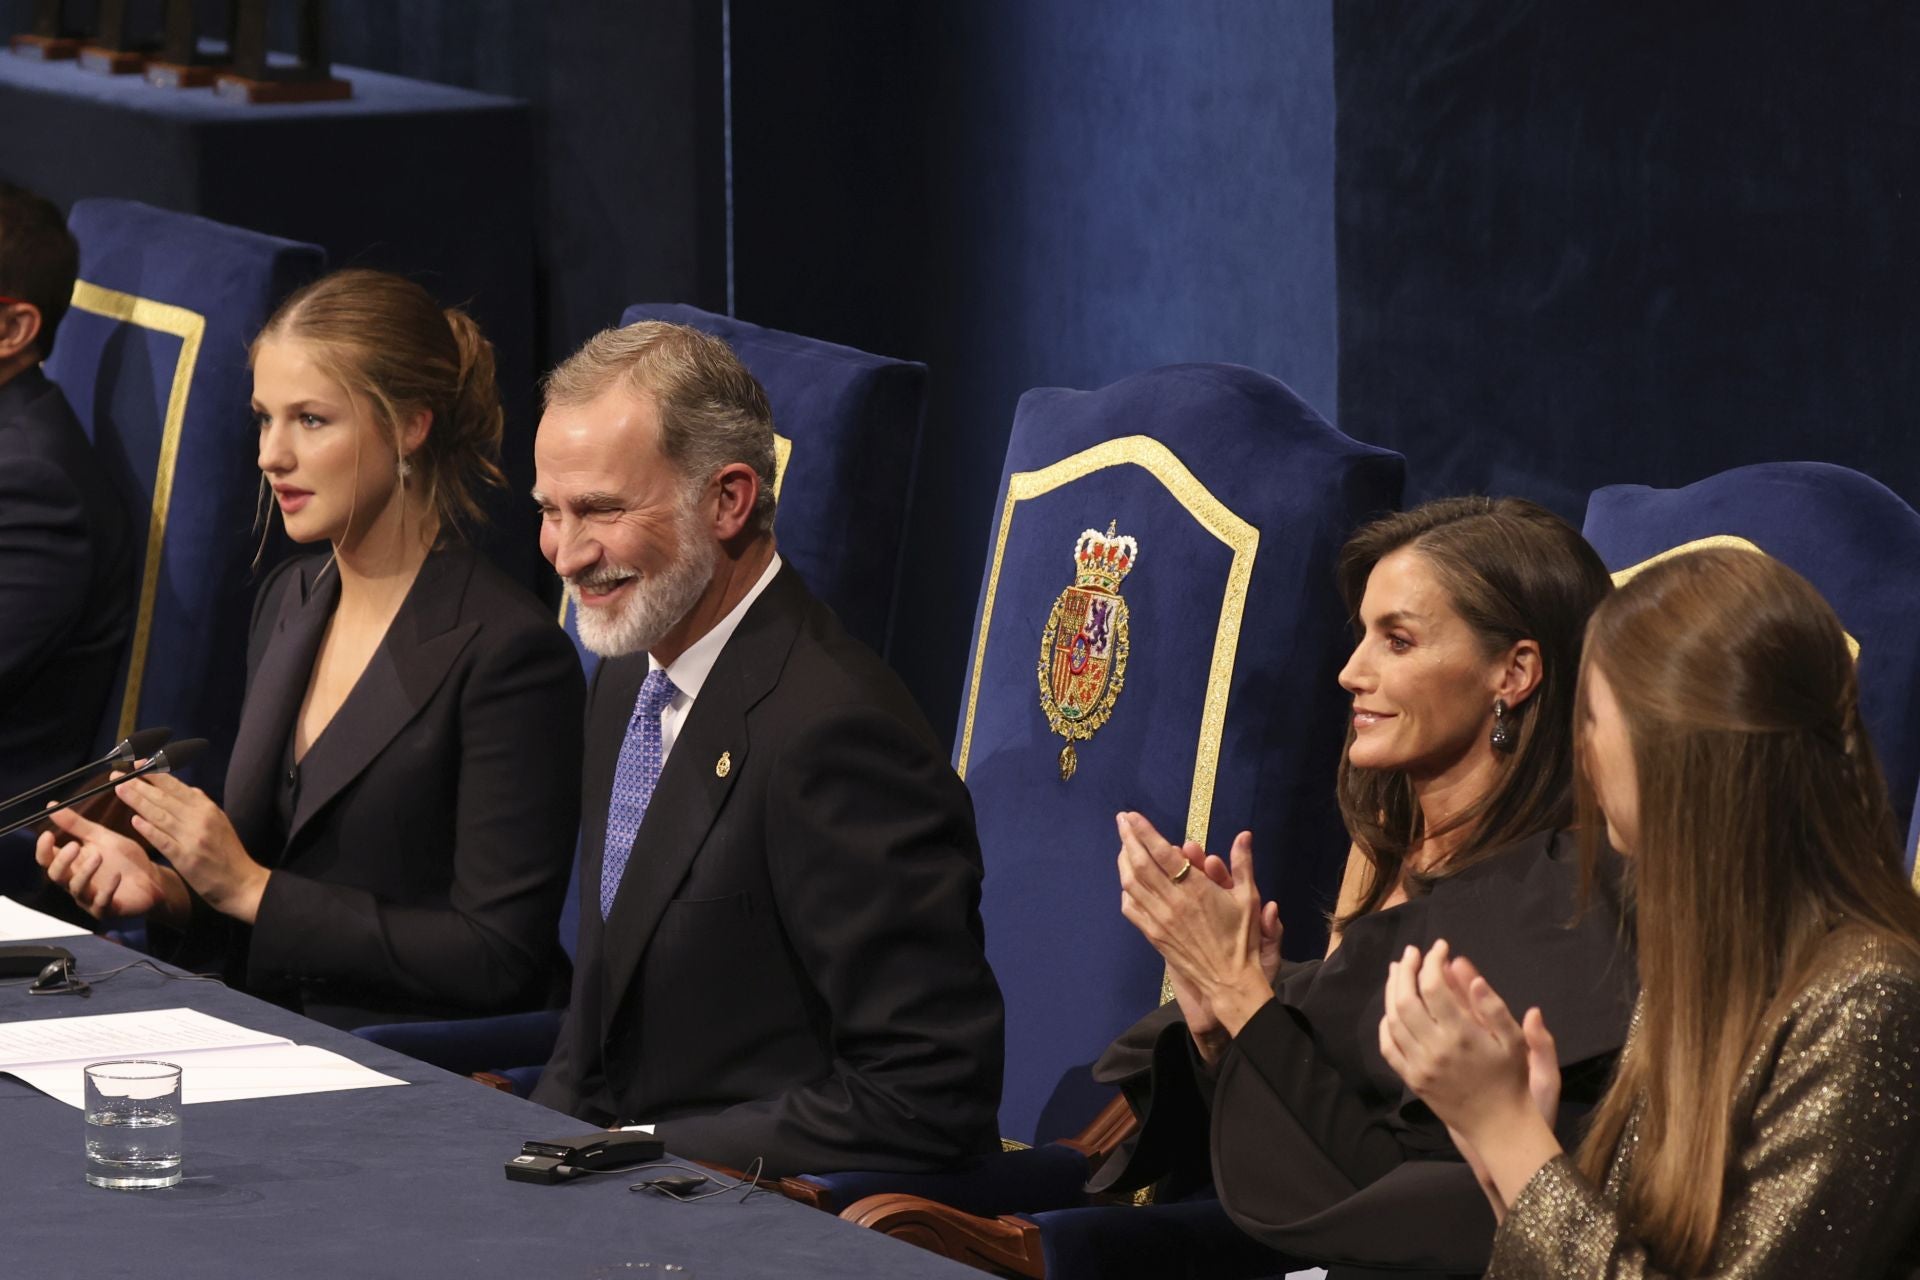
column 794, row 967
column 67, row 591
column 433, row 825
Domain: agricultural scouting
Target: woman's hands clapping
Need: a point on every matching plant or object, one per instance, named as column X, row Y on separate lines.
column 1493, row 1081
column 108, row 874
column 111, row 875
column 1221, row 945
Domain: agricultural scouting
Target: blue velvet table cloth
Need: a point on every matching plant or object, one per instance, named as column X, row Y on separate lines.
column 401, row 1181
column 428, row 180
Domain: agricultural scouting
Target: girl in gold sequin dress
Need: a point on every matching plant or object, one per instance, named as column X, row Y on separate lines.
column 1764, row 1120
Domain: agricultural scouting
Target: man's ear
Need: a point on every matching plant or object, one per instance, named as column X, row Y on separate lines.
column 738, row 488
column 1520, row 673
column 20, row 324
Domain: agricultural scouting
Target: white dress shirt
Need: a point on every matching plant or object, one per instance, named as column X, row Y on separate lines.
column 689, row 671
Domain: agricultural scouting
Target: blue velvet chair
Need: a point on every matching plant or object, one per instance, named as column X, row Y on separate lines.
column 848, row 431
column 1219, row 502
column 1849, row 535
column 153, row 357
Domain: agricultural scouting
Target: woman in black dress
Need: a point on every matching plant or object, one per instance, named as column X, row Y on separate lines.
column 1267, row 1081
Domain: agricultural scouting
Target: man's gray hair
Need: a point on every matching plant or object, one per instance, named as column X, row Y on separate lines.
column 712, row 411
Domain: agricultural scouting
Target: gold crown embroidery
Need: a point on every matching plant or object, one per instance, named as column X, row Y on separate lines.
column 1083, row 650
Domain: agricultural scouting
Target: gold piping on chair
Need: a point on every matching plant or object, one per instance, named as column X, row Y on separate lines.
column 190, row 327
column 1739, row 544
column 1207, row 511
column 1727, row 540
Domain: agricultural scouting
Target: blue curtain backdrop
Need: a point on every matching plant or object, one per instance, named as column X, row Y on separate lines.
column 1630, row 242
column 1575, row 245
column 1024, row 195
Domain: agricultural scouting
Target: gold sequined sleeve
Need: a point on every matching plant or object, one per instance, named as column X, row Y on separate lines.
column 1827, row 1179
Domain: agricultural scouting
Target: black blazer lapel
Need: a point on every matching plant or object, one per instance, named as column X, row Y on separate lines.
column 273, row 699
column 420, row 646
column 691, row 790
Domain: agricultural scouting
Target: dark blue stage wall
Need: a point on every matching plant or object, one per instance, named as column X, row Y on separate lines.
column 1018, row 194
column 630, row 155
column 1029, row 195
column 1577, row 245
column 1630, row 242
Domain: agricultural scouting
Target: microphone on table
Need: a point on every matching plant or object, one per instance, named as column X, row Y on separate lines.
column 163, row 761
column 137, row 746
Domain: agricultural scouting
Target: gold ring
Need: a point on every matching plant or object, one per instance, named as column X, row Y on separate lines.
column 1181, row 874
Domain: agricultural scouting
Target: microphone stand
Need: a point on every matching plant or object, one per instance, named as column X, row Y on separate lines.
column 182, row 753
column 129, row 750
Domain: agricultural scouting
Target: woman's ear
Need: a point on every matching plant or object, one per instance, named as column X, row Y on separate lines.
column 1520, row 673
column 413, row 433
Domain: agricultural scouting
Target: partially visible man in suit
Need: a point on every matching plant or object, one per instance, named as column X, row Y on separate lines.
column 781, row 953
column 67, row 588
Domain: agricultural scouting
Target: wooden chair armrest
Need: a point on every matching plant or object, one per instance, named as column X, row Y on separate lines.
column 1004, row 1246
column 492, row 1081
column 1105, row 1132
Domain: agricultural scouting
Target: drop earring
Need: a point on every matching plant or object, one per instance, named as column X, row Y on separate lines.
column 404, row 469
column 1503, row 737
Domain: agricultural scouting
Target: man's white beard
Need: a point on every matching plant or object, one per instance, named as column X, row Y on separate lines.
column 654, row 605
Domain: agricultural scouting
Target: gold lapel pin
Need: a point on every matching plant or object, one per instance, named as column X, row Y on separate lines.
column 724, row 765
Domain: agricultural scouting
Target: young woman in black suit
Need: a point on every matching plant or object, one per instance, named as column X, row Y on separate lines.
column 402, row 800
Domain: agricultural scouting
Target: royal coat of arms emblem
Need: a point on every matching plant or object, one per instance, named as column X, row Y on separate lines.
column 1083, row 650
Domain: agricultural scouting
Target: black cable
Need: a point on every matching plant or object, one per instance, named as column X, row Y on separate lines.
column 77, row 982
column 751, row 1182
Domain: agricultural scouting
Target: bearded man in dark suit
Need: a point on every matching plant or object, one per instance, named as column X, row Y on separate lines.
column 67, row 587
column 781, row 953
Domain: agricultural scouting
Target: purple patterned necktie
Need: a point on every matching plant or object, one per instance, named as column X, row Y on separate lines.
column 633, row 781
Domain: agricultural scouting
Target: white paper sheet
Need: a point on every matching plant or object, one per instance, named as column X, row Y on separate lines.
column 24, row 924
column 151, row 1033
column 225, row 1075
column 220, row 1061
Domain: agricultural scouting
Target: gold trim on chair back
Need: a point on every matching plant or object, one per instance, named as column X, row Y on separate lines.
column 1211, row 514
column 1207, row 511
column 190, row 327
column 1737, row 543
column 1727, row 540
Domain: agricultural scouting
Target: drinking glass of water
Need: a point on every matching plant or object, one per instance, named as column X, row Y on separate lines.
column 133, row 1124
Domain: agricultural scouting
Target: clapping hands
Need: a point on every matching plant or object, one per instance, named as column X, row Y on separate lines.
column 1221, row 944
column 1493, row 1081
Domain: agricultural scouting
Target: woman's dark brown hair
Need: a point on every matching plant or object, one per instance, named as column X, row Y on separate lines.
column 1763, row 823
column 1513, row 571
column 387, row 341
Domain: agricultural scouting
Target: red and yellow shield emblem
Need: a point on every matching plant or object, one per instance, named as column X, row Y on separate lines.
column 1083, row 650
